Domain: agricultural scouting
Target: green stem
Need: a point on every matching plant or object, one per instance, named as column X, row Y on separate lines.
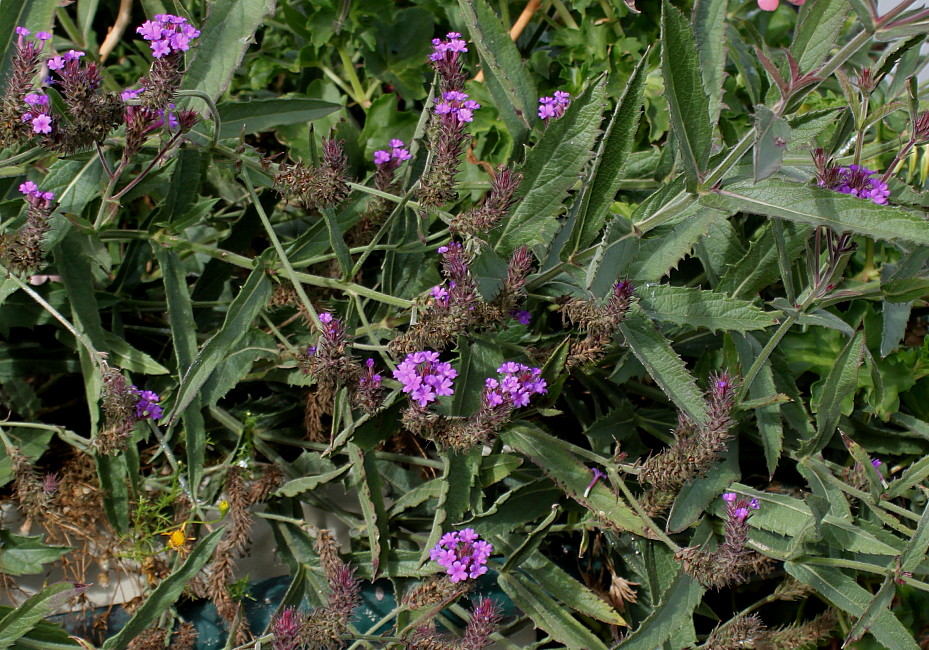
column 105, row 199
column 27, row 156
column 288, row 269
column 564, row 14
column 145, row 172
column 83, row 340
column 648, row 521
column 358, row 91
column 763, row 356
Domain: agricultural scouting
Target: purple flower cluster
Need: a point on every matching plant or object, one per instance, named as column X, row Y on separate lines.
column 522, row 316
column 34, row 196
column 38, row 114
column 463, row 554
column 449, row 48
column 22, row 33
column 147, row 405
column 739, row 509
column 551, row 108
column 397, row 154
column 440, row 294
column 457, row 109
column 856, row 180
column 517, row 385
column 167, row 34
column 57, row 63
column 370, row 379
column 424, row 377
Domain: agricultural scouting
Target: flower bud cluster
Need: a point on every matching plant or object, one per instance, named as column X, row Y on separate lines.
column 319, row 187
column 463, row 554
column 456, row 306
column 387, row 163
column 695, row 448
column 485, row 617
column 169, row 37
column 493, row 207
column 368, row 393
column 328, row 361
column 599, row 321
column 23, row 68
column 22, row 251
column 731, row 562
column 551, row 108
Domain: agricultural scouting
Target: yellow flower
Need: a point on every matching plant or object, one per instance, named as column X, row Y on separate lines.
column 177, row 539
column 223, row 508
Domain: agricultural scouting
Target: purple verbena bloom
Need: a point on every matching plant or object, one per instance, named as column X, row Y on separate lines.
column 876, row 462
column 131, row 93
column 73, row 55
column 22, row 31
column 147, row 405
column 424, row 377
column 325, row 317
column 42, row 124
column 857, row 181
column 381, row 157
column 463, row 554
column 28, row 187
column 56, row 63
column 43, row 36
column 523, row 317
column 597, row 475
column 551, row 108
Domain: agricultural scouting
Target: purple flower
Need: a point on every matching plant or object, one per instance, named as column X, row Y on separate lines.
column 381, row 157
column 597, row 475
column 463, row 554
column 131, row 93
column 325, row 317
column 456, row 108
column 147, row 405
column 35, row 99
column 160, row 48
column 22, row 31
column 856, row 180
column 551, row 108
column 28, row 187
column 876, row 462
column 150, row 30
column 448, row 48
column 43, row 36
column 73, row 55
column 514, row 390
column 42, row 124
column 523, row 317
column 424, row 377
column 56, row 63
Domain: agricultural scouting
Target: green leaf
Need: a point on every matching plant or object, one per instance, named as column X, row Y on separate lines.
column 458, row 478
column 667, row 369
column 772, row 133
column 555, row 458
column 846, row 594
column 31, row 443
column 244, row 309
column 224, row 37
column 841, row 382
column 128, row 358
column 894, row 316
column 35, row 15
column 264, row 114
column 507, row 76
column 614, row 150
column 25, row 555
column 21, row 620
column 912, row 476
column 548, row 614
column 881, row 601
column 759, row 266
column 674, row 611
column 688, row 101
column 820, row 207
column 709, row 19
column 915, row 551
column 768, row 417
column 178, row 210
column 307, row 483
column 842, row 534
column 165, row 594
column 818, row 29
column 694, row 308
column 184, row 338
column 905, row 289
column 370, row 487
column 552, row 167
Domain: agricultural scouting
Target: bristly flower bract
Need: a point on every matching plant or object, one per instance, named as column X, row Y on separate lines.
column 599, row 321
column 22, row 251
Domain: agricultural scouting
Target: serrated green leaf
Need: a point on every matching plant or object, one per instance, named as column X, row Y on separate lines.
column 912, row 476
column 709, row 20
column 820, row 207
column 846, row 594
column 915, row 551
column 166, row 593
column 306, row 483
column 507, row 77
column 759, row 267
column 17, row 623
column 664, row 366
column 610, row 161
column 818, row 29
column 129, row 358
column 880, row 602
column 552, row 167
column 370, row 489
column 772, row 134
column 675, row 610
column 905, row 289
column 264, row 114
column 548, row 614
column 26, row 555
column 251, row 299
column 778, row 513
column 841, row 381
column 894, row 317
column 496, row 467
column 554, row 457
column 688, row 102
column 842, row 534
column 224, row 37
column 694, row 308
column 768, row 417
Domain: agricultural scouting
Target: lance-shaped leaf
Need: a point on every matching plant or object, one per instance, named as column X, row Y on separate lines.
column 508, row 78
column 687, row 98
column 675, row 610
column 16, row 624
column 841, row 381
column 552, row 167
column 772, row 134
column 166, row 593
column 370, row 487
column 693, row 308
column 820, row 207
column 767, row 417
column 654, row 351
column 709, row 18
column 821, row 23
